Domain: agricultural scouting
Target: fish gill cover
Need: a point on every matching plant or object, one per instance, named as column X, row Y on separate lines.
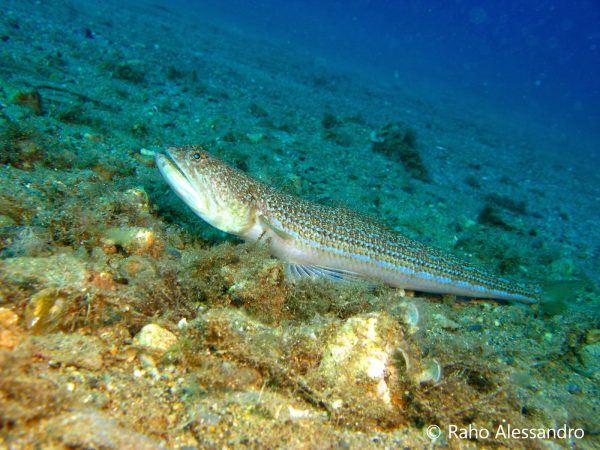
column 126, row 322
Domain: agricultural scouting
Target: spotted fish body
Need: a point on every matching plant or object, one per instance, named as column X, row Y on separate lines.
column 320, row 240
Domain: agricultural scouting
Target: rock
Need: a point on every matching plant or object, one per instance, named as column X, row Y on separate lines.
column 9, row 335
column 92, row 429
column 133, row 70
column 70, row 350
column 8, row 318
column 590, row 358
column 134, row 240
column 275, row 406
column 49, row 271
column 154, row 337
column 138, row 199
column 359, row 366
column 398, row 141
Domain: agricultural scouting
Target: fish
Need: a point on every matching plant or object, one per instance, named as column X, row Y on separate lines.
column 319, row 241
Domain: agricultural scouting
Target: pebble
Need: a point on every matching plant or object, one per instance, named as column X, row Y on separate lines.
column 155, row 337
column 134, row 240
column 446, row 323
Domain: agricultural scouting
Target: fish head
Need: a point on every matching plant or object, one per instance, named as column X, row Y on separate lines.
column 218, row 193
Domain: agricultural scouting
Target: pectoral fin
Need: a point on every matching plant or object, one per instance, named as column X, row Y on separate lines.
column 296, row 272
column 278, row 231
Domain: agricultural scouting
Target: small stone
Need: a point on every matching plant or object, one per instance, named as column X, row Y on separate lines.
column 182, row 324
column 155, row 337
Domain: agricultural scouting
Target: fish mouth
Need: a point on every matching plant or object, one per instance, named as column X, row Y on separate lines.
column 215, row 201
column 180, row 181
column 168, row 163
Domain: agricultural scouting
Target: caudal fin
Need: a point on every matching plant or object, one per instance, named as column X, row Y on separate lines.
column 556, row 295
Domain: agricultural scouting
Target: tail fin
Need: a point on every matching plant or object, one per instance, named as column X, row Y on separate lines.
column 557, row 294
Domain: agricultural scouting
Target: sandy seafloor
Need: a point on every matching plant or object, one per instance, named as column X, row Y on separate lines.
column 94, row 248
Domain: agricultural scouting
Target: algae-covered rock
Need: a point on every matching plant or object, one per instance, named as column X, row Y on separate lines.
column 592, row 336
column 31, row 100
column 133, row 71
column 134, row 240
column 260, row 287
column 359, row 367
column 398, row 141
column 6, row 221
column 590, row 358
column 50, row 271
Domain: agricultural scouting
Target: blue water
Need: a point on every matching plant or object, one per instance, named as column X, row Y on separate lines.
column 536, row 60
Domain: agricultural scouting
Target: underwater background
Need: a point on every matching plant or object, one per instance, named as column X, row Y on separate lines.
column 127, row 322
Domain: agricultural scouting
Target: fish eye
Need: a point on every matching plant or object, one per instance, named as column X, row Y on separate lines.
column 196, row 155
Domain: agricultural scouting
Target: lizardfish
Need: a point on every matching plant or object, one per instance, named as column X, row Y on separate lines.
column 320, row 241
